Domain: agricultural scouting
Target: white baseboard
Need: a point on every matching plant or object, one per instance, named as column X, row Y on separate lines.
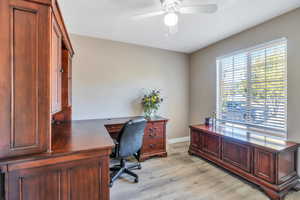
column 178, row 140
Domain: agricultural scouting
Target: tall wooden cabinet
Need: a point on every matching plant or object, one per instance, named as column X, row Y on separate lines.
column 33, row 39
column 24, row 78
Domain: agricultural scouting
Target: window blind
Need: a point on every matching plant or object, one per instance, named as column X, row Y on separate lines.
column 252, row 88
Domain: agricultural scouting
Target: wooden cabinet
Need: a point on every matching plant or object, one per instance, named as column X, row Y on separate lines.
column 154, row 142
column 24, row 80
column 34, row 165
column 62, row 97
column 271, row 166
column 56, row 67
column 75, row 180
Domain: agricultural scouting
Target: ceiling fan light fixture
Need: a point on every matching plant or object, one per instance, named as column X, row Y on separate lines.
column 171, row 19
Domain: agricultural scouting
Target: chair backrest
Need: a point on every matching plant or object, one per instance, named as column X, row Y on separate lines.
column 131, row 137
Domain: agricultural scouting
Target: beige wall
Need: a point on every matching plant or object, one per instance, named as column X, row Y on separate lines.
column 203, row 67
column 109, row 78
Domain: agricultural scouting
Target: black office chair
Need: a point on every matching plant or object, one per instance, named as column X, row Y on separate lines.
column 128, row 144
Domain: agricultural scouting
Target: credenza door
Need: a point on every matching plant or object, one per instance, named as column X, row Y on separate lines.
column 264, row 165
column 237, row 154
column 24, row 81
column 211, row 144
column 196, row 139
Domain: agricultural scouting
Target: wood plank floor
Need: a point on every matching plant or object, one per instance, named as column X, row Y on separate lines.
column 184, row 177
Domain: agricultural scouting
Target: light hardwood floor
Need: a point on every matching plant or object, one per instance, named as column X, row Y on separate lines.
column 184, row 177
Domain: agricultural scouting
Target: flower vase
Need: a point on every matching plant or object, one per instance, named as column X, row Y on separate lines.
column 150, row 114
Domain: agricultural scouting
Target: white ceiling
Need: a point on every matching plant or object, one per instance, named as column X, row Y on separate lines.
column 112, row 19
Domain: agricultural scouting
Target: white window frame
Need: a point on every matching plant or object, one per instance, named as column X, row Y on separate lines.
column 267, row 131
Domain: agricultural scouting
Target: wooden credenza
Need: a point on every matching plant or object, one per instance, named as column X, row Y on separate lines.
column 266, row 162
column 154, row 142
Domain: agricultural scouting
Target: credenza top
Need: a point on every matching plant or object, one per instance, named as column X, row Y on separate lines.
column 256, row 139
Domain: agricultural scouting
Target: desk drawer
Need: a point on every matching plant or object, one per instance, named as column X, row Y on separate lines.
column 154, row 130
column 153, row 145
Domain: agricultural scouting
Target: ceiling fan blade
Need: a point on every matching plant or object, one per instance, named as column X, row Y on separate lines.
column 209, row 8
column 147, row 15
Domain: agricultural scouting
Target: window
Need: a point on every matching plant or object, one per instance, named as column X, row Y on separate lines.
column 252, row 88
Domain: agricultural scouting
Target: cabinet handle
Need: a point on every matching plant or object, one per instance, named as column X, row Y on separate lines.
column 152, row 130
column 152, row 134
column 152, row 146
column 61, row 70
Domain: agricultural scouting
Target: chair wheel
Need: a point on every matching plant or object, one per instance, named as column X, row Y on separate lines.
column 110, row 184
column 136, row 180
column 139, row 167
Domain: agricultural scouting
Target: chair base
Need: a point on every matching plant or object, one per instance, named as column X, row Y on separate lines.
column 118, row 170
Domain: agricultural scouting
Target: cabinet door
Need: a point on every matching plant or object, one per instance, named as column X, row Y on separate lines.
column 56, row 74
column 236, row 154
column 85, row 181
column 40, row 183
column 70, row 81
column 196, row 139
column 66, row 79
column 24, row 78
column 264, row 165
column 210, row 144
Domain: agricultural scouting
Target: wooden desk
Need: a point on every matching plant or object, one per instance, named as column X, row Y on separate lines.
column 78, row 165
column 76, row 168
column 270, row 164
column 154, row 143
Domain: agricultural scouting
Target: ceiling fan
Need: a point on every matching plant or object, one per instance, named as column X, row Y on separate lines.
column 171, row 9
